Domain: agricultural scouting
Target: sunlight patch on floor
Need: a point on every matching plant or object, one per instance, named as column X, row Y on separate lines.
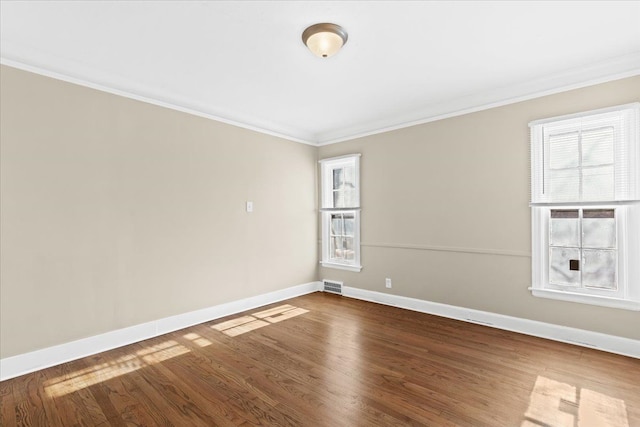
column 287, row 315
column 598, row 410
column 163, row 351
column 87, row 377
column 197, row 339
column 273, row 311
column 241, row 325
column 229, row 324
column 556, row 404
column 249, row 326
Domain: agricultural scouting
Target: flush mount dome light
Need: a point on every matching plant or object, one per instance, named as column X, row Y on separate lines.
column 324, row 40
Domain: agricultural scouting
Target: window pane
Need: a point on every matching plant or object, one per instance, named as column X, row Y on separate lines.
column 563, row 151
column 599, row 213
column 348, row 252
column 597, row 147
column 350, row 199
column 349, row 224
column 559, row 261
column 338, row 179
column 565, row 213
column 598, row 184
column 599, row 269
column 565, row 185
column 344, row 199
column 349, row 177
column 336, row 250
column 344, row 188
column 338, row 199
column 599, row 228
column 564, row 228
column 336, row 224
column 340, row 219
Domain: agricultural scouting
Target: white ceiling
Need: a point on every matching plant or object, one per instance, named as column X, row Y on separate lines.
column 405, row 62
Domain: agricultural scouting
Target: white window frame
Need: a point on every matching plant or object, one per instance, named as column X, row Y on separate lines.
column 625, row 202
column 327, row 209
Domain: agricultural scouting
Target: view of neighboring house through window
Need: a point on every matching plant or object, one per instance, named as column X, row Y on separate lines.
column 585, row 201
column 340, row 211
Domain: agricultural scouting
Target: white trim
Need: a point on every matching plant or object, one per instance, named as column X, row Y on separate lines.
column 610, row 70
column 627, row 296
column 339, row 209
column 610, row 343
column 354, row 268
column 632, row 105
column 172, row 105
column 21, row 364
column 625, row 181
column 585, row 204
column 622, row 119
column 616, row 69
column 346, row 156
column 586, row 299
column 327, row 168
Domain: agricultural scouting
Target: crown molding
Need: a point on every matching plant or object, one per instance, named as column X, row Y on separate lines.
column 613, row 69
column 137, row 94
column 602, row 72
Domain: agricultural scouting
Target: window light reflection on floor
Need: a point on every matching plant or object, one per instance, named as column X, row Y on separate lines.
column 83, row 378
column 157, row 353
column 197, row 339
column 558, row 404
column 241, row 325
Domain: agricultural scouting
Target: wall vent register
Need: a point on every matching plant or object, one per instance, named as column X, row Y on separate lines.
column 332, row 287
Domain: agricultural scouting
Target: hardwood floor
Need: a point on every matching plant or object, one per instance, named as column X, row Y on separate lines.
column 325, row 360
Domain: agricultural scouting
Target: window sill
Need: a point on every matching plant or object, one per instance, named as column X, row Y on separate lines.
column 587, row 299
column 354, row 268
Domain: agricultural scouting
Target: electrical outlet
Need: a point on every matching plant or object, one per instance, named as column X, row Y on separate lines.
column 387, row 282
column 249, row 206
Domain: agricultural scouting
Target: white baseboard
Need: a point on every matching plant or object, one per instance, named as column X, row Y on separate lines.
column 21, row 364
column 609, row 343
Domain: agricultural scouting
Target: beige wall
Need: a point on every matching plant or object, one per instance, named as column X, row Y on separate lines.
column 116, row 212
column 433, row 191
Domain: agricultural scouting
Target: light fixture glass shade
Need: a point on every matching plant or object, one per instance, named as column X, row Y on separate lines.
column 324, row 40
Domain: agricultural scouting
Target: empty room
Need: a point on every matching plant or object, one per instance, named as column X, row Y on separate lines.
column 320, row 213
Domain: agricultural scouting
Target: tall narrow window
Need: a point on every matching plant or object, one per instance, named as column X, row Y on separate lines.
column 340, row 212
column 585, row 201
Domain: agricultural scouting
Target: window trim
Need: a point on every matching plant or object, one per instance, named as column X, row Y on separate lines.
column 623, row 297
column 625, row 304
column 326, row 227
column 627, row 296
column 326, row 210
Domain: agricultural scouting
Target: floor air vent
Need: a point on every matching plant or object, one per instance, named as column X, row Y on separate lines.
column 333, row 287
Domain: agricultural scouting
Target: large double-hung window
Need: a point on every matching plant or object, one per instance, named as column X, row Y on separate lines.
column 340, row 212
column 585, row 201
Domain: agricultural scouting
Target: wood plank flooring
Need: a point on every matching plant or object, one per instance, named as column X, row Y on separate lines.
column 325, row 360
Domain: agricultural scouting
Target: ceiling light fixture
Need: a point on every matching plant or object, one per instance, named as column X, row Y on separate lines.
column 324, row 40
